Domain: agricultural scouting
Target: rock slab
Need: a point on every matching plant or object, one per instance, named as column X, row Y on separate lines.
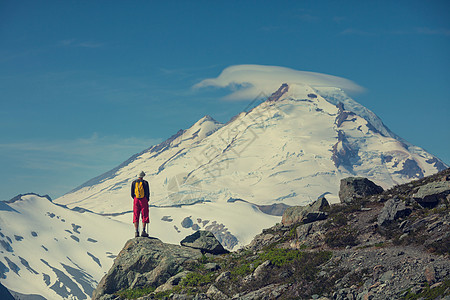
column 353, row 188
column 205, row 241
column 432, row 192
column 144, row 261
column 393, row 209
column 306, row 214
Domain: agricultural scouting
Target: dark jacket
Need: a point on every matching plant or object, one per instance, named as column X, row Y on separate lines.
column 146, row 188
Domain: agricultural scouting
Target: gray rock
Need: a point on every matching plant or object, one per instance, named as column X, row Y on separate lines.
column 214, row 293
column 272, row 291
column 353, row 188
column 387, row 276
column 204, row 241
column 303, row 231
column 261, row 269
column 144, row 261
column 212, row 267
column 223, row 276
column 314, row 216
column 393, row 209
column 306, row 214
column 433, row 192
column 187, row 222
column 320, row 204
column 172, row 282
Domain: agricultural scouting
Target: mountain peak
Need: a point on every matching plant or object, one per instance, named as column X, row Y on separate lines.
column 204, row 119
column 20, row 197
column 202, row 128
column 283, row 89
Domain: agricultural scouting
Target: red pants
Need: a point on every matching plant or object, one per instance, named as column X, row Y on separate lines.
column 140, row 206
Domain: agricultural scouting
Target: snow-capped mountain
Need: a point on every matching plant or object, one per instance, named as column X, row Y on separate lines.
column 233, row 179
column 291, row 148
column 52, row 251
column 288, row 150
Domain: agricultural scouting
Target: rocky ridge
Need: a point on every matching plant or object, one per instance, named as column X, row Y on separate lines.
column 391, row 244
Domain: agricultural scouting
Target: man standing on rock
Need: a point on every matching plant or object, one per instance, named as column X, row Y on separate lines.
column 140, row 193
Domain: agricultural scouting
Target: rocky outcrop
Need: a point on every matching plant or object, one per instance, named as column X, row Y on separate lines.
column 353, row 188
column 204, row 241
column 279, row 93
column 393, row 209
column 433, row 192
column 306, row 214
column 144, row 262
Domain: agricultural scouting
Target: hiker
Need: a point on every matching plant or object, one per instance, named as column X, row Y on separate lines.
column 140, row 193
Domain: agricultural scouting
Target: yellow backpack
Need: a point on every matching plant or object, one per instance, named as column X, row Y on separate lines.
column 139, row 189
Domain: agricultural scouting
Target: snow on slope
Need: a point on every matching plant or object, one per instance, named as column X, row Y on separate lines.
column 290, row 149
column 55, row 252
column 52, row 251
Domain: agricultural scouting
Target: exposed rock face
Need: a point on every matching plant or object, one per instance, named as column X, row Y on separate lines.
column 172, row 282
column 144, row 261
column 306, row 214
column 431, row 193
column 280, row 92
column 357, row 187
column 187, row 222
column 215, row 293
column 393, row 209
column 204, row 241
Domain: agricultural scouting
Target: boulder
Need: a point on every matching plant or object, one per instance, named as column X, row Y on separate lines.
column 223, row 276
column 144, row 262
column 431, row 193
column 262, row 269
column 272, row 291
column 204, row 241
column 393, row 209
column 172, row 282
column 215, row 293
column 306, row 214
column 187, row 222
column 353, row 188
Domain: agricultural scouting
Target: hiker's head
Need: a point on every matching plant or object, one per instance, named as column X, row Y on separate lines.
column 141, row 175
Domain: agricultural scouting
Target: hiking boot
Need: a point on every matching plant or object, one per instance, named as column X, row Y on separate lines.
column 144, row 234
column 136, row 234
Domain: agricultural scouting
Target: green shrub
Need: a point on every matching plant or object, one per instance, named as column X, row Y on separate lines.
column 243, row 270
column 281, row 257
column 197, row 279
column 135, row 293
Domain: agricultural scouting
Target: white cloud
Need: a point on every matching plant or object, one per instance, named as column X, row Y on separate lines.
column 82, row 44
column 249, row 81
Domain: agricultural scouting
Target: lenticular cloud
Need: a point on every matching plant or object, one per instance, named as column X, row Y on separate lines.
column 249, row 81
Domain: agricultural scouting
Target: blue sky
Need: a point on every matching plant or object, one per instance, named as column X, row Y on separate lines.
column 86, row 84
